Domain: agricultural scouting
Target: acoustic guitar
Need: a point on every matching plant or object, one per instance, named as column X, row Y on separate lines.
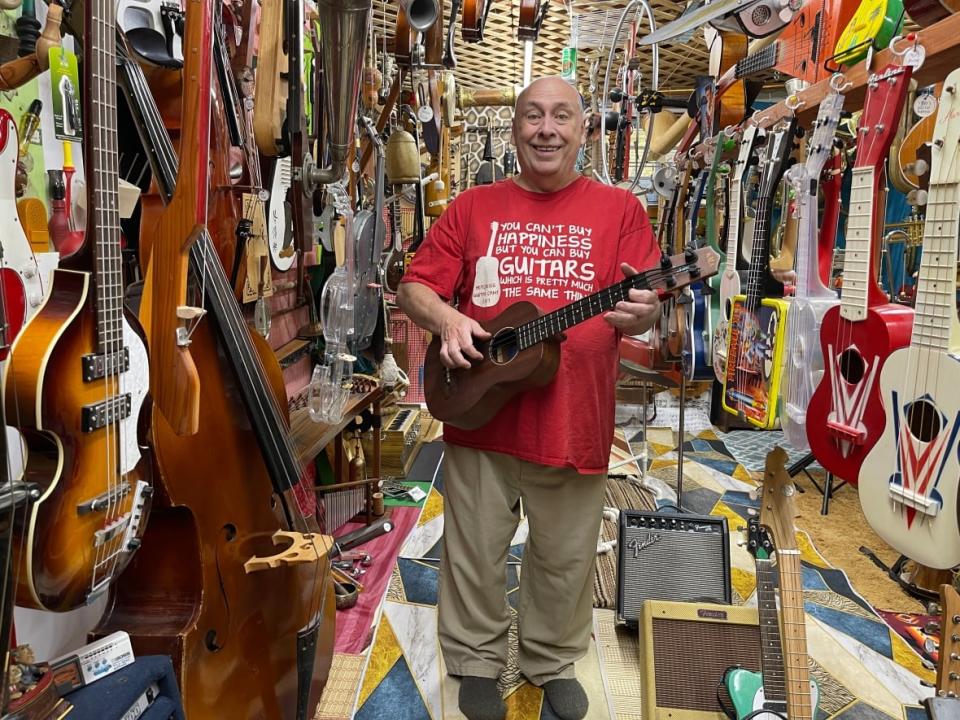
column 77, row 380
column 858, row 335
column 524, row 350
column 908, row 481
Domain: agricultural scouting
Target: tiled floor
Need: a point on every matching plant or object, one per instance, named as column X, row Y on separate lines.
column 865, row 670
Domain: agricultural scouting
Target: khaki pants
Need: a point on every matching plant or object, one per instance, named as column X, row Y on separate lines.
column 482, row 492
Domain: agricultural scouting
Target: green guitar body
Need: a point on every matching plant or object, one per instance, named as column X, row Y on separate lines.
column 746, row 693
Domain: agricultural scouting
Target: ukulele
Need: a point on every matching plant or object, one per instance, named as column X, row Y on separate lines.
column 947, row 698
column 766, row 690
column 697, row 329
column 729, row 284
column 811, row 297
column 858, row 335
column 77, row 380
column 524, row 349
column 777, row 512
column 755, row 343
column 908, row 481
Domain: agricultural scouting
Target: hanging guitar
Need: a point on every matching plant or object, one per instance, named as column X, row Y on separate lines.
column 811, row 297
column 858, row 335
column 697, row 329
column 914, row 507
column 751, row 692
column 369, row 234
column 729, row 285
column 755, row 344
column 524, row 350
column 76, row 381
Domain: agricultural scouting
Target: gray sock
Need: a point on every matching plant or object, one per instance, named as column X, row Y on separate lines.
column 480, row 699
column 567, row 698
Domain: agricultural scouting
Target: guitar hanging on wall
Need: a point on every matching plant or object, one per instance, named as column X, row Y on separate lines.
column 858, row 335
column 914, row 507
column 524, row 350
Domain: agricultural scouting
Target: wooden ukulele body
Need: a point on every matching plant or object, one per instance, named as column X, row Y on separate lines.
column 468, row 399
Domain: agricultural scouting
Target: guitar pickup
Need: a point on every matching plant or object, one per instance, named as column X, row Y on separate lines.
column 96, row 367
column 102, row 502
column 98, row 416
column 857, row 437
column 917, row 501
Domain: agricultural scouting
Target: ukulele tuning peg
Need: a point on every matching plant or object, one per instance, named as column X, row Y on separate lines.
column 800, row 132
column 665, row 262
column 690, row 253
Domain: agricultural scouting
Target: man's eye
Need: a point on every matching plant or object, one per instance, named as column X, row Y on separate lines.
column 533, row 116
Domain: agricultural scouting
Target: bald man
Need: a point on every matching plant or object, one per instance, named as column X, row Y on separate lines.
column 556, row 237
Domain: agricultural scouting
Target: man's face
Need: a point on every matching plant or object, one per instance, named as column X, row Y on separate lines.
column 548, row 129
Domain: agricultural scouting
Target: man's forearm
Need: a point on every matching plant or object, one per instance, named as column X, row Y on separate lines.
column 422, row 305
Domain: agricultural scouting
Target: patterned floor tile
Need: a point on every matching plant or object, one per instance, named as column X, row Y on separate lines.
column 396, row 697
column 416, row 630
column 860, row 710
column 420, row 581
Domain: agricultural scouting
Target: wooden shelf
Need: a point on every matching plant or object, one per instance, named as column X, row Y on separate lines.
column 940, row 42
column 311, row 438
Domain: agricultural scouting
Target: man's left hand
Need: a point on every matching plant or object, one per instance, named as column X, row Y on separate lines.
column 637, row 314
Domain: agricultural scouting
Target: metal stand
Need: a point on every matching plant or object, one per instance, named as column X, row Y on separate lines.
column 683, row 402
column 828, row 488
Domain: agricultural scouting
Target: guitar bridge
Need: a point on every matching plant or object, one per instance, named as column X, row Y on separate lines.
column 914, row 500
column 846, row 432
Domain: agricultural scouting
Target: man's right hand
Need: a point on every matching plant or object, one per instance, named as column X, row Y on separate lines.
column 457, row 332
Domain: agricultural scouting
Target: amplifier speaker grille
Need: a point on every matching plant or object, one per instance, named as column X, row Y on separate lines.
column 684, row 650
column 671, row 556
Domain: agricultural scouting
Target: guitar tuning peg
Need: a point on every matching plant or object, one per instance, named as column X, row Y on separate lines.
column 800, row 132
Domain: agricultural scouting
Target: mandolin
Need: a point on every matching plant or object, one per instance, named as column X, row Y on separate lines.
column 77, row 380
column 755, row 341
column 908, row 481
column 811, row 297
column 524, row 350
column 858, row 335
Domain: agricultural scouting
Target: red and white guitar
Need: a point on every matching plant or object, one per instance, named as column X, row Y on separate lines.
column 730, row 278
column 812, row 298
column 21, row 282
column 908, row 482
column 858, row 335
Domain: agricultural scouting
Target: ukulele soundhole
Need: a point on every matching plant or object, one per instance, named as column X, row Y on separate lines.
column 851, row 366
column 923, row 420
column 503, row 346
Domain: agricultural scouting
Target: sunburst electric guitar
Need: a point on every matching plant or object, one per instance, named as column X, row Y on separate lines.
column 908, row 481
column 755, row 343
column 811, row 298
column 729, row 284
column 858, row 335
column 76, row 381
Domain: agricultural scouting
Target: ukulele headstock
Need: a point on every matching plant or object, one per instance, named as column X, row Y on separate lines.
column 948, row 669
column 882, row 107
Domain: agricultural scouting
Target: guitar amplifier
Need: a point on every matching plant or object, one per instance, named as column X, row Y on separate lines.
column 671, row 556
column 685, row 648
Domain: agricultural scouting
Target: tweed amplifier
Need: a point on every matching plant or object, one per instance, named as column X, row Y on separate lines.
column 670, row 556
column 685, row 648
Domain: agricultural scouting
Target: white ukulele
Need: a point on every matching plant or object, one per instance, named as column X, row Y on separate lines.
column 908, row 481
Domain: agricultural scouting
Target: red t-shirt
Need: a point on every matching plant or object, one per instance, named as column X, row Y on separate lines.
column 550, row 249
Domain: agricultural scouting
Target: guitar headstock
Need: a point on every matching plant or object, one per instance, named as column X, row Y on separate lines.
column 759, row 541
column 945, row 148
column 820, row 145
column 948, row 668
column 776, row 507
column 776, row 156
column 748, row 139
column 886, row 94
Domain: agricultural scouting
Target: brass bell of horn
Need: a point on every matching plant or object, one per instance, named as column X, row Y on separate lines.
column 402, row 158
column 421, row 14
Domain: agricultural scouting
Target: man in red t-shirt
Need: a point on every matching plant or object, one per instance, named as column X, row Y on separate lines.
column 548, row 236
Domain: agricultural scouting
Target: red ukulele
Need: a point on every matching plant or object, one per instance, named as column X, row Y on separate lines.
column 845, row 417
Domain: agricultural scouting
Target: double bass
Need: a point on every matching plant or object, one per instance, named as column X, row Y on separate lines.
column 245, row 644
